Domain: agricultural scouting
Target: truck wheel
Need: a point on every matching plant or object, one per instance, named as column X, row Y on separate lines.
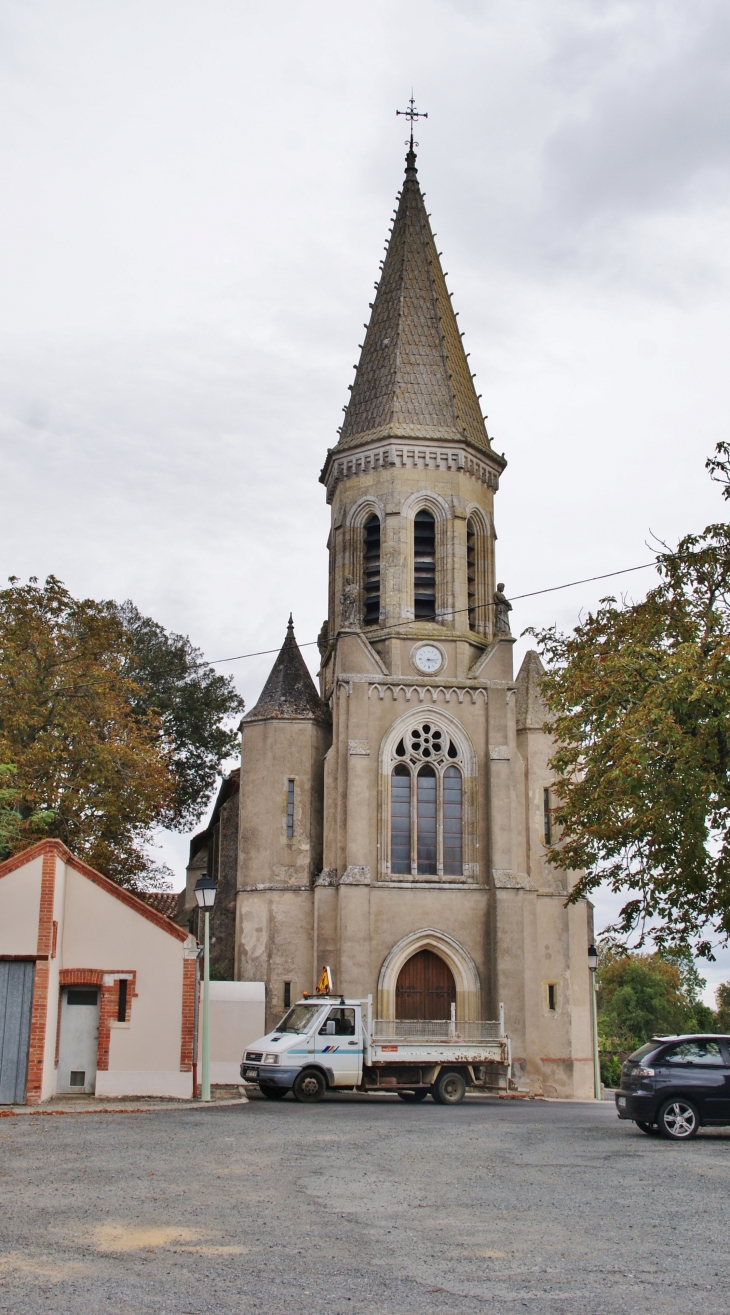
column 309, row 1086
column 420, row 1093
column 273, row 1093
column 449, row 1089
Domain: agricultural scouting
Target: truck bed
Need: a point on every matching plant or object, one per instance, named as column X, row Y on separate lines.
column 474, row 1042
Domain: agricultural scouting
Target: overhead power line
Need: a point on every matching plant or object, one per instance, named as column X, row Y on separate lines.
column 589, row 579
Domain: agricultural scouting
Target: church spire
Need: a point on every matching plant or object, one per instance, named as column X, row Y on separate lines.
column 413, row 378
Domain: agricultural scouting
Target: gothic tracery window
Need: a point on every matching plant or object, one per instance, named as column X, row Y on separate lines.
column 426, row 823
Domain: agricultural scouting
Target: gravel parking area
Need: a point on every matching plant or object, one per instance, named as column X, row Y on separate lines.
column 362, row 1206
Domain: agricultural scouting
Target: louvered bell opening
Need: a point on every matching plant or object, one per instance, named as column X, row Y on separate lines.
column 371, row 571
column 424, row 566
column 471, row 573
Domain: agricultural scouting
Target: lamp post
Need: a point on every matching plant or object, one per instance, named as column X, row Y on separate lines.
column 593, row 967
column 205, row 895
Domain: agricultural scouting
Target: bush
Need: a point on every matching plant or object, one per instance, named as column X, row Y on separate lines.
column 610, row 1071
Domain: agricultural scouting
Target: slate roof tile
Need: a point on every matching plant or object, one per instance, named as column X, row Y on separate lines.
column 413, row 378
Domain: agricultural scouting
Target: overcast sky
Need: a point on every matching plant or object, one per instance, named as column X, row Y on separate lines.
column 195, row 201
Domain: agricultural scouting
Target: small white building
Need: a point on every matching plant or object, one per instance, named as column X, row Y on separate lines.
column 97, row 989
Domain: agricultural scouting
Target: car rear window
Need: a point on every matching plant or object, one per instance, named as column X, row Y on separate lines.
column 703, row 1051
column 644, row 1050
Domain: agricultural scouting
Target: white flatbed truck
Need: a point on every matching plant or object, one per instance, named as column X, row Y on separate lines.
column 326, row 1043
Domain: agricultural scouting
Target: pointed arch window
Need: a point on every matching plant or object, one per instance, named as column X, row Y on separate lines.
column 471, row 571
column 424, row 566
column 371, row 571
column 427, row 813
column 400, row 819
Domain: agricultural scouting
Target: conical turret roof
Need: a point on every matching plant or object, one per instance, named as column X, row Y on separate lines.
column 289, row 692
column 413, row 378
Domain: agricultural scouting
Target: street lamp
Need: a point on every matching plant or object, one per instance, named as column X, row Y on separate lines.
column 593, row 967
column 205, row 889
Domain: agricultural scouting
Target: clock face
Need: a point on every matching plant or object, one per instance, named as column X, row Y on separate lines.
column 428, row 659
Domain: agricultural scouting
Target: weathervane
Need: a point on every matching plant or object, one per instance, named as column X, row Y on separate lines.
column 413, row 114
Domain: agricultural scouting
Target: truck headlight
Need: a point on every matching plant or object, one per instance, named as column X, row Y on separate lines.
column 271, row 1059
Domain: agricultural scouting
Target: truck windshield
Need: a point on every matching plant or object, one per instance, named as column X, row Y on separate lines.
column 299, row 1018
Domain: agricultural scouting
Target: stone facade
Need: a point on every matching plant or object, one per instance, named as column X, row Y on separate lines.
column 403, row 807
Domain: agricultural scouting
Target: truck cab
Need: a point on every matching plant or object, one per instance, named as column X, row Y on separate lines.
column 323, row 1034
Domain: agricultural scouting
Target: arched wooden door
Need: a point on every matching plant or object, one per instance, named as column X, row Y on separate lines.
column 426, row 987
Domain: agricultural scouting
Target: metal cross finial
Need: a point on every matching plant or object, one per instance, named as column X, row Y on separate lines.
column 413, row 114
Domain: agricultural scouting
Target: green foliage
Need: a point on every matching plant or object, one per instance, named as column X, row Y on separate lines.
column 610, row 1070
column 111, row 726
column 645, row 995
column 11, row 818
column 722, row 1000
column 194, row 703
column 639, row 698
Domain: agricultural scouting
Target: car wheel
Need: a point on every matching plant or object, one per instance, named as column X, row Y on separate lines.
column 650, row 1129
column 309, row 1086
column 420, row 1093
column 449, row 1089
column 678, row 1120
column 273, row 1093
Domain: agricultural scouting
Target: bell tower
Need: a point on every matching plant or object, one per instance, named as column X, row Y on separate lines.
column 413, row 476
column 430, row 817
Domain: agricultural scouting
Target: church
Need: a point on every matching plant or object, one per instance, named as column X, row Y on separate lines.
column 392, row 823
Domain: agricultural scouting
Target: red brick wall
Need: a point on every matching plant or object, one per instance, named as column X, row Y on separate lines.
column 39, row 1009
column 188, row 1016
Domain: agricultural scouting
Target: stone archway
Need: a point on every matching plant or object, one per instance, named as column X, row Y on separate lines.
column 425, row 989
column 458, row 960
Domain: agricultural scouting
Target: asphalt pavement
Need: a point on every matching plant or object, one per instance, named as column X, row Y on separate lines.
column 363, row 1206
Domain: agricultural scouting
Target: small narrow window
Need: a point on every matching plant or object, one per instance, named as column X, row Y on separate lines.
column 424, row 566
column 287, row 994
column 452, row 822
column 122, row 1001
column 551, row 996
column 400, row 821
column 290, row 810
column 426, row 810
column 471, row 573
column 371, row 571
column 546, row 816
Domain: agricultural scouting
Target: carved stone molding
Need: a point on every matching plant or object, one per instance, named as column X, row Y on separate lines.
column 423, row 455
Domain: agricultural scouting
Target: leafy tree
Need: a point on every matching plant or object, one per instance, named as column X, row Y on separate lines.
column 10, row 816
column 722, row 1000
column 645, row 995
column 97, row 762
column 194, row 704
column 639, row 698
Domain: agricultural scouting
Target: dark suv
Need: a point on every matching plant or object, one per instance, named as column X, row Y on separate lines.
column 673, row 1085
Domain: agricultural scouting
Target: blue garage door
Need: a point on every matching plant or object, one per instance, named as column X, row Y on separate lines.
column 16, row 998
